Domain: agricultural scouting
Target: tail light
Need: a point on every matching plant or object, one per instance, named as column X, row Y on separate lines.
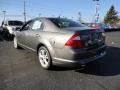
column 75, row 41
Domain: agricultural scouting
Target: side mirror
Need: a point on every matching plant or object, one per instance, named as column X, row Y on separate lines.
column 18, row 29
column 5, row 24
column 26, row 28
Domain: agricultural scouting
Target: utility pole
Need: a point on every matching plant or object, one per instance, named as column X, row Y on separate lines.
column 96, row 17
column 4, row 14
column 24, row 11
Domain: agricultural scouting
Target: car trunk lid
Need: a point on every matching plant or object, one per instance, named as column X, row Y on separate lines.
column 92, row 38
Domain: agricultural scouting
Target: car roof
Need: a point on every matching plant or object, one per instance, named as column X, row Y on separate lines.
column 48, row 18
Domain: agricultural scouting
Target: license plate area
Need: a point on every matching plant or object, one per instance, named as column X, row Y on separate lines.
column 95, row 37
column 93, row 40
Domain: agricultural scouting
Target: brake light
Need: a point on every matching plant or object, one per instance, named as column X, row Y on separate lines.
column 75, row 41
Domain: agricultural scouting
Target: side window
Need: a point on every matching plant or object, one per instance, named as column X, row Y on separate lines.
column 37, row 24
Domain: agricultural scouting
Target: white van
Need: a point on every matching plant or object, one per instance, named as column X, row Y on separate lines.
column 11, row 25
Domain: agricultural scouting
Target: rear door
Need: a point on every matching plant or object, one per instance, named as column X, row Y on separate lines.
column 34, row 34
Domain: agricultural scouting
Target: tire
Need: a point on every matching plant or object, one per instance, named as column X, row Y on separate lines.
column 44, row 58
column 15, row 43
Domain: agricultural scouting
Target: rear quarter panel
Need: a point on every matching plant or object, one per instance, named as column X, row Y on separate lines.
column 54, row 41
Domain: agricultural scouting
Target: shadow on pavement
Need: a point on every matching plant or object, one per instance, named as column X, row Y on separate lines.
column 6, row 36
column 1, row 38
column 107, row 66
column 64, row 68
column 111, row 30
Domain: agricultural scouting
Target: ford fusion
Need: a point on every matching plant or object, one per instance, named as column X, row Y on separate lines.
column 60, row 41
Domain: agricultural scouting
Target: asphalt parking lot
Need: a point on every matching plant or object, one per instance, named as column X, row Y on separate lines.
column 20, row 70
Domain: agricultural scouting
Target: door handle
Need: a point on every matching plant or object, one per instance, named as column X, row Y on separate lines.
column 37, row 35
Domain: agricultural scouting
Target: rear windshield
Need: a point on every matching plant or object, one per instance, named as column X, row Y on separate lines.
column 65, row 23
column 15, row 23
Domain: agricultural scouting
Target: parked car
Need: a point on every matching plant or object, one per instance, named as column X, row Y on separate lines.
column 108, row 27
column 59, row 41
column 118, row 26
column 9, row 26
column 103, row 26
column 112, row 26
column 93, row 25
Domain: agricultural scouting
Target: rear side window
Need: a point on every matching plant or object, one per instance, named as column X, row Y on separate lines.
column 37, row 25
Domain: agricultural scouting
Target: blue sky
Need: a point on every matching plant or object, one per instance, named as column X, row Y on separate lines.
column 67, row 8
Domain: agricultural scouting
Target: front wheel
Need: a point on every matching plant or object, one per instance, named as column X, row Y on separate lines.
column 44, row 57
column 15, row 43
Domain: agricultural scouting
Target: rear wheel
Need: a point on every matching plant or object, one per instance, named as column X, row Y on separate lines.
column 44, row 57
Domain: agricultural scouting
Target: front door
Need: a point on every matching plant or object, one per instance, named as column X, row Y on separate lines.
column 24, row 32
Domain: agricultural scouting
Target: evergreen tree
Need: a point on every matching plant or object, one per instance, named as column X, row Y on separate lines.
column 111, row 16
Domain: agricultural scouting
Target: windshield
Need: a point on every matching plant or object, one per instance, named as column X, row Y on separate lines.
column 65, row 23
column 15, row 23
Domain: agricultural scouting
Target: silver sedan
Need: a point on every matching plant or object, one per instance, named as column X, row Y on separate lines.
column 60, row 41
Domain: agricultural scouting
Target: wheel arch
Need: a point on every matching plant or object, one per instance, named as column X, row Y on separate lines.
column 49, row 47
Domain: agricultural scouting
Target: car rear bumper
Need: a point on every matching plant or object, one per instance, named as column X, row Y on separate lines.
column 67, row 62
